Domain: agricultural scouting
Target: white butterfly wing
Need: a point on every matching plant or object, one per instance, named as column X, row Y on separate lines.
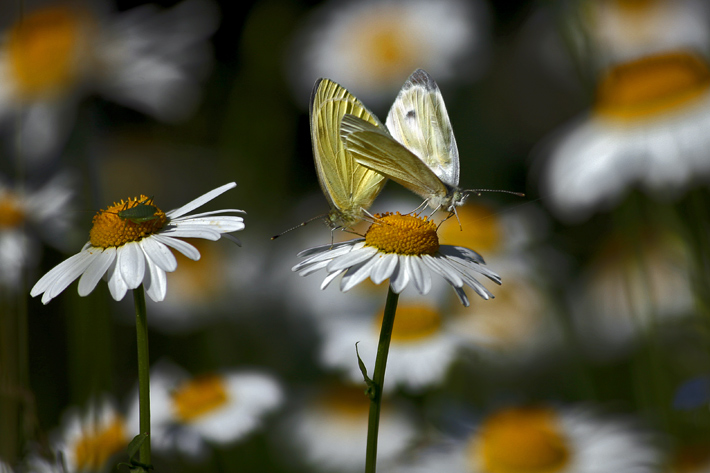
column 376, row 149
column 348, row 186
column 418, row 119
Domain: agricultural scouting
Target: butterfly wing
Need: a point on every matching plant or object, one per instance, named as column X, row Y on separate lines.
column 348, row 186
column 376, row 149
column 418, row 119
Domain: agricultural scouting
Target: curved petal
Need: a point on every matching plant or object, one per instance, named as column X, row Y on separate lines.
column 157, row 284
column 351, row 259
column 116, row 285
column 200, row 201
column 59, row 277
column 159, row 254
column 187, row 231
column 357, row 274
column 400, row 277
column 225, row 224
column 182, row 246
column 131, row 264
column 384, row 268
column 96, row 270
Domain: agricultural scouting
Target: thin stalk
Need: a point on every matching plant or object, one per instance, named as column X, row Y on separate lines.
column 143, row 373
column 378, row 381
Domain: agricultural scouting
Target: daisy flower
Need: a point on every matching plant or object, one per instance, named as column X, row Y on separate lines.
column 402, row 248
column 648, row 127
column 132, row 249
column 546, row 439
column 87, row 442
column 329, row 431
column 25, row 215
column 422, row 346
column 54, row 55
column 611, row 31
column 217, row 408
column 5, row 468
column 373, row 44
column 630, row 286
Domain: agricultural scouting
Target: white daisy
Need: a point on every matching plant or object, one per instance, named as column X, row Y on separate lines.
column 649, row 127
column 328, row 432
column 402, row 248
column 422, row 347
column 611, row 31
column 545, row 440
column 87, row 442
column 5, row 468
column 142, row 58
column 373, row 44
column 131, row 252
column 631, row 286
column 217, row 408
column 25, row 215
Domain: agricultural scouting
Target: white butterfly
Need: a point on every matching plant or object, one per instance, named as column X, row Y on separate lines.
column 419, row 151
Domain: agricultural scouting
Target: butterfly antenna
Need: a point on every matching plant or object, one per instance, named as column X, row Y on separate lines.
column 478, row 192
column 302, row 224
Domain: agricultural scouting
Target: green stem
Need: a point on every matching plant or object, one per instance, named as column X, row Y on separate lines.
column 378, row 379
column 143, row 372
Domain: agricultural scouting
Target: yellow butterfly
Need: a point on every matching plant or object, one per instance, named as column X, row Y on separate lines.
column 349, row 187
column 419, row 151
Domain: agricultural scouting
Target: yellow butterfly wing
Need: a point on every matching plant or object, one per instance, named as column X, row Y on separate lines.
column 418, row 119
column 376, row 149
column 348, row 186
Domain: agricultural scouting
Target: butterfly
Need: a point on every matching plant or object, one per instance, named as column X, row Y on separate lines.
column 417, row 149
column 349, row 187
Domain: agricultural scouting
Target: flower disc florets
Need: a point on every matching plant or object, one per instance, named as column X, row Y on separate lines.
column 126, row 221
column 403, row 234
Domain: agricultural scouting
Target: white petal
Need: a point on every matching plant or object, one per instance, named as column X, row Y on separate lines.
column 116, row 285
column 306, row 270
column 420, row 274
column 59, row 277
column 200, row 201
column 319, row 249
column 329, row 278
column 325, row 256
column 351, row 259
column 96, row 270
column 205, row 233
column 131, row 264
column 384, row 268
column 400, row 277
column 159, row 254
column 182, row 246
column 221, row 224
column 157, row 284
column 451, row 276
column 357, row 274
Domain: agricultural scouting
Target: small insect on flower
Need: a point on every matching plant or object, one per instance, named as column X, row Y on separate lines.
column 129, row 243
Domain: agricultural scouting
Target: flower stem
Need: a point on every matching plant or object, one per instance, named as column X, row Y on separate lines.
column 378, row 379
column 143, row 372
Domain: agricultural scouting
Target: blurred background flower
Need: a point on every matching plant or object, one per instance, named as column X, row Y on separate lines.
column 595, row 109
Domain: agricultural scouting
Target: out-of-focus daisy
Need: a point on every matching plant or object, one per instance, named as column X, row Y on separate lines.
column 373, row 44
column 605, row 32
column 5, row 468
column 422, row 347
column 142, row 58
column 217, row 408
column 546, row 439
column 87, row 442
column 648, row 127
column 401, row 248
column 25, row 215
column 37, row 464
column 328, row 432
column 631, row 286
column 133, row 250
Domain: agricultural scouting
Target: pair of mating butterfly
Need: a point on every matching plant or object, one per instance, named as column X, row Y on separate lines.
column 355, row 153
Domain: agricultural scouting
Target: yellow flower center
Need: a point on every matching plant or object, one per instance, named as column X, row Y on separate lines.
column 403, row 234
column 521, row 440
column 652, row 85
column 480, row 229
column 199, row 396
column 413, row 322
column 43, row 50
column 125, row 222
column 347, row 401
column 96, row 447
column 388, row 46
column 11, row 212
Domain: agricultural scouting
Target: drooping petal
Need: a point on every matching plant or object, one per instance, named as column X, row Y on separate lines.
column 96, row 270
column 131, row 264
column 350, row 259
column 400, row 277
column 157, row 282
column 384, row 268
column 159, row 254
column 116, row 285
column 182, row 246
column 357, row 274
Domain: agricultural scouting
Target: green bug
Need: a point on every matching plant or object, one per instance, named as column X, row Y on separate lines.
column 143, row 211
